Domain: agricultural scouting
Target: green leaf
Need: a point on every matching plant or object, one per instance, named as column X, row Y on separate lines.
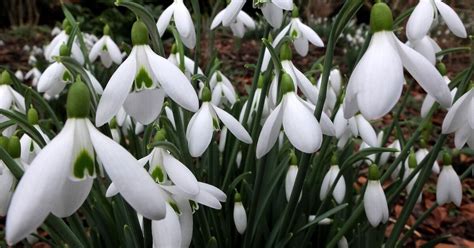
column 168, row 146
column 21, row 120
column 322, row 216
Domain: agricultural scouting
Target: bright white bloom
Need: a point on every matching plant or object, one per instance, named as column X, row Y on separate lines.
column 10, row 99
column 460, row 119
column 290, row 180
column 183, row 21
column 141, row 83
column 222, row 89
column 7, row 185
column 410, row 165
column 357, row 126
column 29, row 148
column 228, row 15
column 429, row 100
column 254, row 106
column 426, row 12
column 19, row 75
column 448, row 188
column 188, row 64
column 300, row 126
column 340, row 189
column 34, row 74
column 375, row 203
column 61, row 176
column 426, row 47
column 273, row 11
column 107, row 50
column 53, row 49
column 55, row 31
column 421, row 154
column 54, row 79
column 240, row 216
column 342, row 243
column 203, row 123
column 241, row 22
column 377, row 80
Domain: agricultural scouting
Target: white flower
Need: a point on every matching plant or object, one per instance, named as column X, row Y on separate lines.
column 203, row 123
column 19, row 75
column 301, row 127
column 426, row 12
column 54, row 79
column 412, row 182
column 301, row 34
column 61, row 176
column 421, row 154
column 375, row 203
column 461, row 120
column 107, row 50
column 7, row 186
column 429, row 100
column 448, row 188
column 34, row 74
column 228, row 14
column 254, row 106
column 183, row 21
column 290, row 180
column 167, row 232
column 29, row 148
column 340, row 189
column 10, row 99
column 377, row 81
column 222, row 89
column 53, row 49
column 241, row 22
column 141, row 83
column 188, row 64
column 240, row 216
column 342, row 243
column 426, row 47
column 357, row 126
column 273, row 11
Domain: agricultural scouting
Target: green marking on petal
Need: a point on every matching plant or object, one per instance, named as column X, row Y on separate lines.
column 84, row 164
column 104, row 48
column 174, row 206
column 143, row 79
column 215, row 123
column 157, row 174
column 67, row 77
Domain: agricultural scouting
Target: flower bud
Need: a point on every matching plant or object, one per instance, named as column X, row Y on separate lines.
column 285, row 52
column 206, row 94
column 287, row 83
column 240, row 216
column 139, row 33
column 14, row 147
column 5, row 78
column 295, row 13
column 374, row 174
column 32, row 116
column 412, row 163
column 67, row 27
column 106, row 30
column 442, row 68
column 78, row 100
column 381, row 18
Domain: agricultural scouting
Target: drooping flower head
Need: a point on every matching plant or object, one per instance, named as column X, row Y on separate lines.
column 377, row 80
column 106, row 49
column 53, row 48
column 183, row 21
column 375, row 202
column 141, row 83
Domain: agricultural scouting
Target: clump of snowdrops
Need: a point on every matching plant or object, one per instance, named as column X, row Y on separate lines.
column 155, row 151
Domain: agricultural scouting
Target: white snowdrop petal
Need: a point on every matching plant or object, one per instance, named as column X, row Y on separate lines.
column 185, row 220
column 217, row 19
column 51, row 76
column 452, row 19
column 290, row 180
column 462, row 135
column 231, row 11
column 301, row 46
column 366, row 131
column 426, row 106
column 95, row 83
column 72, row 195
column 284, row 4
column 199, row 131
column 327, row 127
column 167, row 232
column 420, row 20
column 96, row 49
column 116, row 90
column 183, row 20
column 240, row 217
column 233, row 125
column 145, row 105
column 456, row 116
column 180, row 174
column 164, row 19
column 213, row 190
column 270, row 131
column 114, row 51
column 310, row 34
column 272, row 14
column 132, row 181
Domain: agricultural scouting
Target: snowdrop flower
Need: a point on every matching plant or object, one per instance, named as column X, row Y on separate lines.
column 241, row 22
column 10, row 99
column 460, row 120
column 55, row 31
column 426, row 12
column 375, row 203
column 29, row 148
column 222, row 89
column 54, row 79
column 422, row 153
column 273, row 10
column 106, row 49
column 7, row 180
column 254, row 106
column 19, row 75
column 301, row 34
column 228, row 14
column 429, row 101
column 183, row 21
column 53, row 48
column 240, row 216
column 412, row 163
column 61, row 176
column 203, row 123
column 357, row 126
column 300, row 126
column 448, row 188
column 291, row 176
column 188, row 63
column 141, row 82
column 34, row 74
column 377, row 81
column 342, row 243
column 426, row 47
column 340, row 189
